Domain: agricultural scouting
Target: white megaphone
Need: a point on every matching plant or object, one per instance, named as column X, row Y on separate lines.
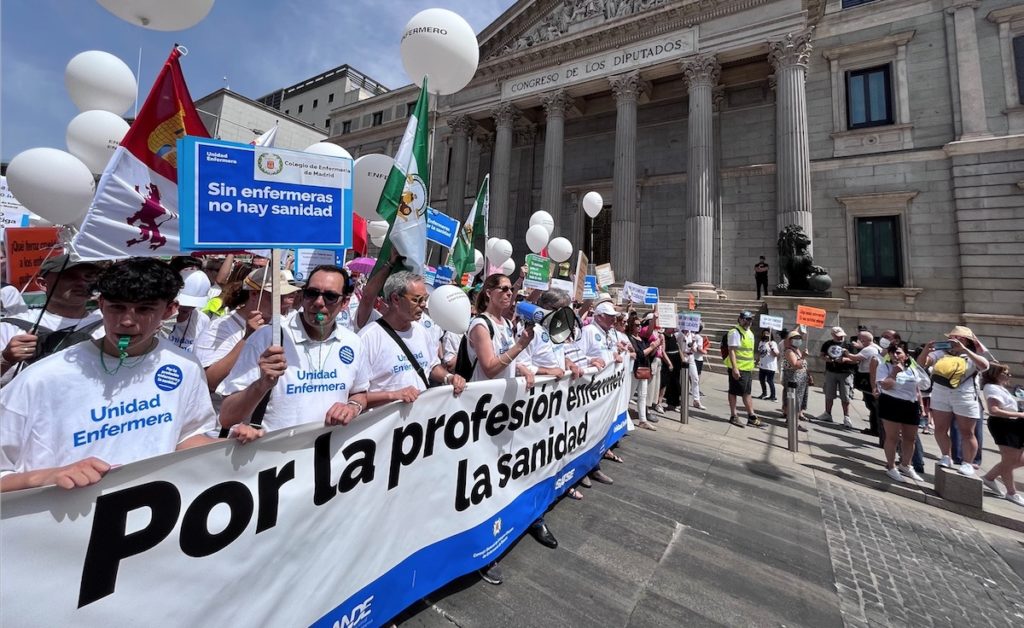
column 559, row 323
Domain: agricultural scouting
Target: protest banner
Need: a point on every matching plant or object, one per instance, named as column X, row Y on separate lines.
column 538, row 273
column 241, row 196
column 443, row 276
column 666, row 315
column 579, row 277
column 341, row 526
column 26, row 248
column 441, row 228
column 651, row 296
column 590, row 287
column 810, row 316
column 770, row 322
column 605, row 276
column 306, row 260
column 634, row 293
column 689, row 321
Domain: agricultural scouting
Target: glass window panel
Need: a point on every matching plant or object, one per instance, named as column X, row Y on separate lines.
column 877, row 89
column 865, row 250
column 858, row 114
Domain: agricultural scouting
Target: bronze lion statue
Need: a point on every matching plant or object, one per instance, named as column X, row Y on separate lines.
column 796, row 266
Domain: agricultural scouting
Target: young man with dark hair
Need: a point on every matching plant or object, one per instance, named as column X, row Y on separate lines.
column 126, row 396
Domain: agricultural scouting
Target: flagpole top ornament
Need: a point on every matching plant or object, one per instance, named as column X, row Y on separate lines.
column 181, row 49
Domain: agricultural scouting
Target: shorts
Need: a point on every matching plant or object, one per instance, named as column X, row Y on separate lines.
column 1007, row 432
column 949, row 400
column 838, row 384
column 898, row 410
column 740, row 387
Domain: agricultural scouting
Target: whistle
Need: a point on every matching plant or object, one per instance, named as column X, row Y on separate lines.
column 122, row 346
column 320, row 316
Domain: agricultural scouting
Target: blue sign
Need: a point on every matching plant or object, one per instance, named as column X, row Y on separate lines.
column 590, row 290
column 233, row 196
column 429, row 275
column 441, row 228
column 444, row 276
column 651, row 296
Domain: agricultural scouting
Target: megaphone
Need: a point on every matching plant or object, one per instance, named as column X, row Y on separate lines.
column 559, row 324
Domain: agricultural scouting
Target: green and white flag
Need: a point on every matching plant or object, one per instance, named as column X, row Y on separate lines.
column 403, row 203
column 463, row 258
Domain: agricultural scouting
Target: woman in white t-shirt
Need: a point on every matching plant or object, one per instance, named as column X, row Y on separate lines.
column 954, row 394
column 767, row 364
column 1006, row 424
column 899, row 407
column 492, row 345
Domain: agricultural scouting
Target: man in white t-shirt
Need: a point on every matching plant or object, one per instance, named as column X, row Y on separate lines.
column 69, row 286
column 869, row 352
column 124, row 397
column 392, row 376
column 598, row 340
column 314, row 375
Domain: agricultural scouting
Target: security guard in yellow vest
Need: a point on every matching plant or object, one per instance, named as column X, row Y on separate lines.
column 740, row 363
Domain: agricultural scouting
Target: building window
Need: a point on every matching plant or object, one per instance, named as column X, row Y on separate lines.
column 330, row 98
column 854, row 3
column 300, row 108
column 868, row 97
column 1018, row 63
column 378, row 118
column 879, row 259
column 346, row 127
column 315, row 103
column 328, row 123
column 287, row 112
column 409, row 108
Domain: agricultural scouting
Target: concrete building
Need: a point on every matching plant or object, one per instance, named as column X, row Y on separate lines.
column 891, row 130
column 233, row 117
column 312, row 100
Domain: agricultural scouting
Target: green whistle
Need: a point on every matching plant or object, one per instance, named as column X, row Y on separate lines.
column 122, row 345
column 320, row 316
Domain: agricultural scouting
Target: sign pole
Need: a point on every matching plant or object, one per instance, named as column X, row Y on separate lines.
column 684, row 384
column 275, row 292
column 792, row 416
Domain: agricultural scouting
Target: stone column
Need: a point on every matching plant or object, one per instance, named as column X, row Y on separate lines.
column 718, row 102
column 627, row 89
column 504, row 118
column 973, row 120
column 461, row 126
column 555, row 104
column 701, row 74
column 788, row 57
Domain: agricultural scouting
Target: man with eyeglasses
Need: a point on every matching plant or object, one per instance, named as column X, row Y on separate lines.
column 313, row 371
column 398, row 335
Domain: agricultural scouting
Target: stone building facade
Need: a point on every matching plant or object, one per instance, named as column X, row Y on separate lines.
column 891, row 130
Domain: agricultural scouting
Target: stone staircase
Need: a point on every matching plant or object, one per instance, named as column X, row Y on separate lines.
column 718, row 316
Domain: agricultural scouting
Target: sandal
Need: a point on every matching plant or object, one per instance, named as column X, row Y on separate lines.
column 610, row 455
column 644, row 425
column 573, row 493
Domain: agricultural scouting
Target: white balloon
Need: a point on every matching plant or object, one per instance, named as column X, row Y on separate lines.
column 508, row 267
column 54, row 184
column 537, row 238
column 442, row 46
column 501, row 251
column 543, row 218
column 490, row 245
column 592, row 204
column 377, row 241
column 560, row 249
column 99, row 80
column 449, row 308
column 369, row 174
column 478, row 261
column 328, row 148
column 93, row 136
column 160, row 15
column 377, row 228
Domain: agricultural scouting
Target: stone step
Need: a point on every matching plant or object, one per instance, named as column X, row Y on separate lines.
column 952, row 486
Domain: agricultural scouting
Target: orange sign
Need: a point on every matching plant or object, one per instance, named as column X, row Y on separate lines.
column 810, row 316
column 693, row 302
column 26, row 248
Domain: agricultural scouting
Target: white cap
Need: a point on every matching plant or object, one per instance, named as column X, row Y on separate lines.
column 196, row 290
column 606, row 307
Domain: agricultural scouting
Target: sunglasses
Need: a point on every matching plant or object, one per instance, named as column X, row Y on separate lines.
column 330, row 298
column 504, row 288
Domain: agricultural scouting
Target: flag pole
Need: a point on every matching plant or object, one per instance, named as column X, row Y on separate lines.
column 275, row 295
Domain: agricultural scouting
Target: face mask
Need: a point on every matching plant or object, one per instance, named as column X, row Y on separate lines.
column 797, row 342
column 884, row 343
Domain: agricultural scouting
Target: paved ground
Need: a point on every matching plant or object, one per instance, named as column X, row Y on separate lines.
column 711, row 525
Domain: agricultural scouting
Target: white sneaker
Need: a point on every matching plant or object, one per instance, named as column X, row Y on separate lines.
column 910, row 473
column 1016, row 498
column 995, row 486
column 946, row 461
column 847, row 422
column 967, row 469
column 894, row 475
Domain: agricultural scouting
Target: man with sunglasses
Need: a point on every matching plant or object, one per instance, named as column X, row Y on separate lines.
column 390, row 341
column 312, row 371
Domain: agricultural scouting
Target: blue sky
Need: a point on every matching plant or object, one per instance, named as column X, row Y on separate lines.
column 259, row 45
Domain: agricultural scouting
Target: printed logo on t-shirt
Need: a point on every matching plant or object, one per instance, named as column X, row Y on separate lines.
column 544, row 337
column 428, row 324
column 168, row 377
column 346, row 354
column 597, row 338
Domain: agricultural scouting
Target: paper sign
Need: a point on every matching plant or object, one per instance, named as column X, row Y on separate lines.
column 810, row 316
column 651, row 296
column 429, row 275
column 442, row 228
column 692, row 302
column 666, row 315
column 590, row 287
column 632, row 292
column 579, row 277
column 444, row 276
column 538, row 273
column 770, row 322
column 605, row 276
column 689, row 322
column 562, row 284
column 26, row 248
column 241, row 196
column 308, row 259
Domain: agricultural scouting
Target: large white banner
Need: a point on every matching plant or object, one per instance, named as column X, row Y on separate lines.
column 341, row 526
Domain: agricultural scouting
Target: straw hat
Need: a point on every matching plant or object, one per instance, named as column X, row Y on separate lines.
column 962, row 332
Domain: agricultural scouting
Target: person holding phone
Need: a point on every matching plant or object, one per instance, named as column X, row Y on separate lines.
column 899, row 408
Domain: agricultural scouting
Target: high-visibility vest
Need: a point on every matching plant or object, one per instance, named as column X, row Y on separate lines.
column 742, row 356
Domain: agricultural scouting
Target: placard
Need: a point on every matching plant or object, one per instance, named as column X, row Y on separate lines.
column 810, row 316
column 429, row 275
column 605, row 276
column 666, row 315
column 651, row 296
column 308, row 259
column 579, row 277
column 443, row 276
column 634, row 293
column 561, row 284
column 770, row 322
column 590, row 287
column 442, row 228
column 689, row 321
column 538, row 273
column 691, row 302
column 240, row 196
column 26, row 248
